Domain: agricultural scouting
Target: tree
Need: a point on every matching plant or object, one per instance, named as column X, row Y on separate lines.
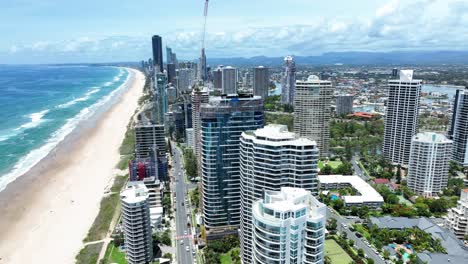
column 337, row 204
column 398, row 174
column 363, row 212
column 326, row 170
column 360, row 252
column 386, row 254
column 166, row 238
column 167, row 255
column 190, row 163
column 332, row 225
column 327, row 260
column 370, row 261
column 350, row 242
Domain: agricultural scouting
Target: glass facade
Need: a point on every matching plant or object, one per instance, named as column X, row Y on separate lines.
column 223, row 120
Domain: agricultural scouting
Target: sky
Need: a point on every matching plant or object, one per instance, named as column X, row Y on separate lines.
column 64, row 31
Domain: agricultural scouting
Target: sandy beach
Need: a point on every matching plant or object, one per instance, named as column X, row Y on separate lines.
column 45, row 214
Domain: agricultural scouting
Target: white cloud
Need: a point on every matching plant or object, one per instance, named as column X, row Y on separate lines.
column 395, row 26
column 388, row 8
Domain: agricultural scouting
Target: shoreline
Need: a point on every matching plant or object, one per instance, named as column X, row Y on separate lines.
column 46, row 213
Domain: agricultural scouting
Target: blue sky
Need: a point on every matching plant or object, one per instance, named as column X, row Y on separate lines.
column 56, row 31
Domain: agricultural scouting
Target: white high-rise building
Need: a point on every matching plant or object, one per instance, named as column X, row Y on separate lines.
column 401, row 117
column 261, row 80
column 458, row 131
column 457, row 218
column 271, row 158
column 288, row 227
column 312, row 111
column 429, row 163
column 229, row 80
column 136, row 224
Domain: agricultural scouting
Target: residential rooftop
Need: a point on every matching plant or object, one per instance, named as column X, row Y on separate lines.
column 368, row 193
column 456, row 251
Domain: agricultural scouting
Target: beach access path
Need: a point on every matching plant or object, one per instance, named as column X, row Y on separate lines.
column 46, row 214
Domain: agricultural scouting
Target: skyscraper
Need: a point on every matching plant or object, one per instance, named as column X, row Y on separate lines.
column 147, row 137
column 261, row 79
column 161, row 96
column 223, row 120
column 289, row 228
column 199, row 97
column 157, row 52
column 202, row 71
column 344, row 104
column 288, row 81
column 218, row 78
column 171, row 73
column 183, row 80
column 401, row 117
column 229, row 80
column 289, row 161
column 136, row 224
column 312, row 111
column 429, row 163
column 458, row 131
column 171, row 57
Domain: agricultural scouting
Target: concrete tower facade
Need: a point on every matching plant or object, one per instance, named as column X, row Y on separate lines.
column 312, row 111
column 271, row 158
column 401, row 117
column 429, row 163
column 288, row 227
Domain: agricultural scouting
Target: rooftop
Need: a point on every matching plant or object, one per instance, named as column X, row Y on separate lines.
column 134, row 193
column 368, row 194
column 278, row 135
column 456, row 251
column 431, row 137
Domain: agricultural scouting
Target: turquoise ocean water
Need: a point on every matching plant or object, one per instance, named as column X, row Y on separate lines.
column 41, row 105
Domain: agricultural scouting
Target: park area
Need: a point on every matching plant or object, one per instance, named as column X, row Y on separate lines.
column 333, row 164
column 336, row 253
column 114, row 255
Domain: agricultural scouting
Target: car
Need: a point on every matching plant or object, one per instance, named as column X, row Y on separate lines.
column 185, row 232
column 181, row 241
column 187, row 248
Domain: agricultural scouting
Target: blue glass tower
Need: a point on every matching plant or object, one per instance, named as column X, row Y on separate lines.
column 223, row 120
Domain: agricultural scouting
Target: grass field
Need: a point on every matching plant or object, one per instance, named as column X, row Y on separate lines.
column 336, row 253
column 89, row 254
column 114, row 255
column 225, row 258
column 102, row 222
column 334, row 164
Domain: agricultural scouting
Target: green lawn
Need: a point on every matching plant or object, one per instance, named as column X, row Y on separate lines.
column 336, row 253
column 114, row 255
column 89, row 254
column 334, row 164
column 403, row 200
column 225, row 258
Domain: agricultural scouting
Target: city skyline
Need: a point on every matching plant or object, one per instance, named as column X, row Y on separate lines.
column 294, row 27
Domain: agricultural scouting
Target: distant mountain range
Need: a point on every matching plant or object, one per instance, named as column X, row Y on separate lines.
column 356, row 58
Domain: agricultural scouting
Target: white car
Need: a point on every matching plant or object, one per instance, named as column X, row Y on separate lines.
column 181, row 242
column 187, row 248
column 185, row 232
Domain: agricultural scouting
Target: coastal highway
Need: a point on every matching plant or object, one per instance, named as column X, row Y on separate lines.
column 183, row 235
column 359, row 243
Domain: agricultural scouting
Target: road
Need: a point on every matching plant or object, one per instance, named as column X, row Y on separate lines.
column 183, row 232
column 358, row 171
column 358, row 242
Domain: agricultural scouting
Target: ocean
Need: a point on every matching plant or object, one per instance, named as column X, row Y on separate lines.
column 41, row 105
